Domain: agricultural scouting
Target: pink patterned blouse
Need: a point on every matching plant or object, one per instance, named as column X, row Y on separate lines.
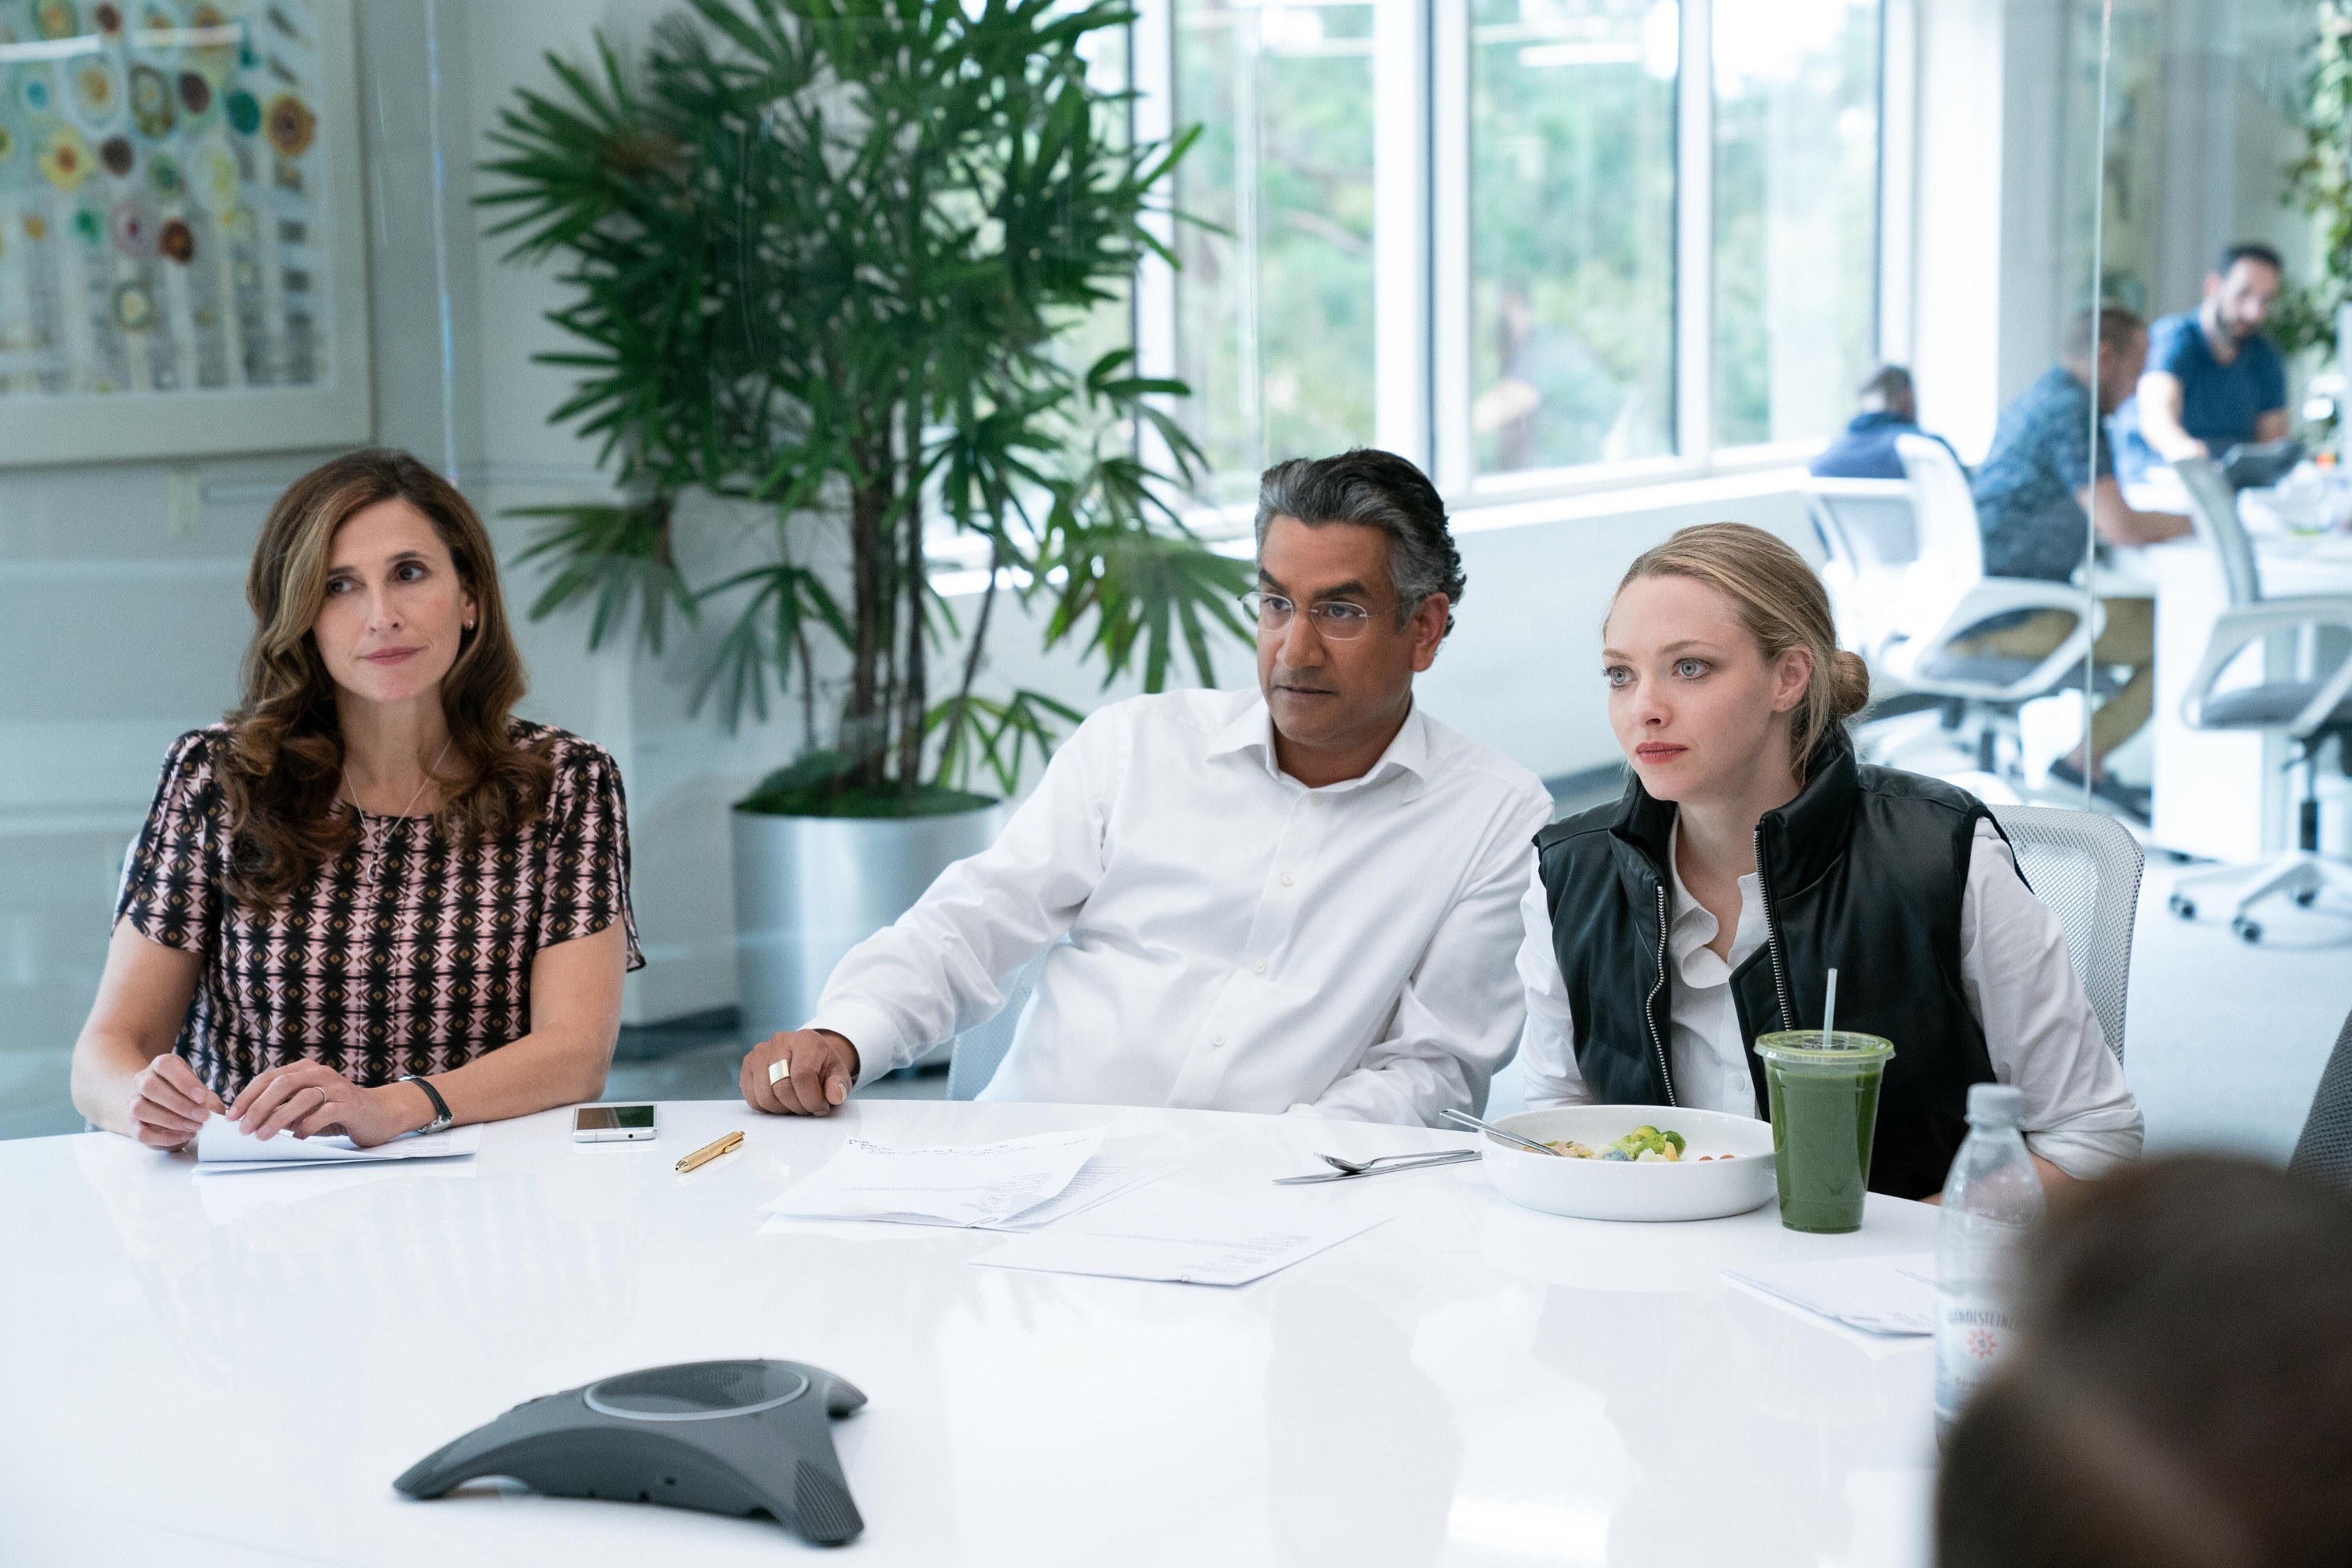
column 409, row 955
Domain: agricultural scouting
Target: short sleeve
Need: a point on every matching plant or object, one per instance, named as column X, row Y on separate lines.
column 2171, row 344
column 587, row 861
column 169, row 891
column 2270, row 378
column 2067, row 433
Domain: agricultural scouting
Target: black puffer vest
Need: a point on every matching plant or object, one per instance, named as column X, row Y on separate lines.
column 1865, row 871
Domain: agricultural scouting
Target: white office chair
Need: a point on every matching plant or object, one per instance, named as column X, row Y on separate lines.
column 1944, row 594
column 2087, row 869
column 980, row 1050
column 2307, row 709
column 1868, row 541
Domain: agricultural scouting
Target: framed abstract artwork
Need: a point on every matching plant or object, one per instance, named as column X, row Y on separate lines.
column 183, row 257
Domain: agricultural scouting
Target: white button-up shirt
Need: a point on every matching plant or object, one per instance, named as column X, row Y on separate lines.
column 2038, row 1025
column 1222, row 937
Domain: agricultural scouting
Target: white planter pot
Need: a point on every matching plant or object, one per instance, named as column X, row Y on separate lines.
column 808, row 888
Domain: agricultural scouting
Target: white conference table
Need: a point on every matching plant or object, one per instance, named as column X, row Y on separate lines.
column 232, row 1370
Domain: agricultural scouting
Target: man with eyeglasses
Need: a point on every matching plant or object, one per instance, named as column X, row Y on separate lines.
column 1300, row 899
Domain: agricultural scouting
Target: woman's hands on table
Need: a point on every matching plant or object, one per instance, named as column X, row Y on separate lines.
column 311, row 1099
column 169, row 1102
column 805, row 1072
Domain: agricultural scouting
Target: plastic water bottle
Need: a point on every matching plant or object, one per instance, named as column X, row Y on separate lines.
column 1991, row 1199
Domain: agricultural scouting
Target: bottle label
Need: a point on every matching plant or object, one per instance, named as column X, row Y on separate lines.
column 1973, row 1331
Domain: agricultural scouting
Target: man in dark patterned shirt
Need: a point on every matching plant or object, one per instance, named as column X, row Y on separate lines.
column 2045, row 479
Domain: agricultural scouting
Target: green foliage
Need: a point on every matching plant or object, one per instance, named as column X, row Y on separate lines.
column 616, row 555
column 981, row 733
column 1572, row 200
column 1278, row 337
column 823, row 783
column 2320, row 182
column 822, row 254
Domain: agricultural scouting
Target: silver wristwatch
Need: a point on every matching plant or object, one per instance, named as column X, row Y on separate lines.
column 441, row 1116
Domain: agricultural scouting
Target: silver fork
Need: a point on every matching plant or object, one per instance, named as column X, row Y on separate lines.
column 1357, row 1167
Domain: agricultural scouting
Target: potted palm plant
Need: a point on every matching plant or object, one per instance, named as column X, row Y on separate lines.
column 826, row 258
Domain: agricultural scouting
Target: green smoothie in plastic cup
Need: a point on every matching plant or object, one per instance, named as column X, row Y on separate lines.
column 1823, row 1091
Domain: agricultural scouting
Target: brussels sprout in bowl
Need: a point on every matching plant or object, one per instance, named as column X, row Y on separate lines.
column 1638, row 1163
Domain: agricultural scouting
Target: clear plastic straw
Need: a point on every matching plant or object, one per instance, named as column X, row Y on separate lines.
column 1829, row 1012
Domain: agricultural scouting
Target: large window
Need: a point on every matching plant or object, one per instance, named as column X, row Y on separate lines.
column 1572, row 231
column 1612, row 232
column 1274, row 328
column 1796, row 214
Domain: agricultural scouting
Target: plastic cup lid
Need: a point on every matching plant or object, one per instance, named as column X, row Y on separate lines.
column 1844, row 1048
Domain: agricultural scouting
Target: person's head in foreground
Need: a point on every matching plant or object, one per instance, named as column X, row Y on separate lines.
column 2106, row 350
column 371, row 874
column 1297, row 898
column 1752, row 853
column 2181, row 1391
column 1358, row 577
column 2240, row 289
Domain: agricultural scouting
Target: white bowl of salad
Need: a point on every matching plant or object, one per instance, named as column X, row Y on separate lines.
column 1635, row 1162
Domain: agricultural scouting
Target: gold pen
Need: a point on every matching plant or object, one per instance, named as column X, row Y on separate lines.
column 711, row 1150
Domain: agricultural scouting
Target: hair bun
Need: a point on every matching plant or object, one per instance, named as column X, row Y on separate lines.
column 1849, row 684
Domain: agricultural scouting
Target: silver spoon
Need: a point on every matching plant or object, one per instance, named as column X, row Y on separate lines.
column 1463, row 1119
column 1418, row 1163
column 1357, row 1167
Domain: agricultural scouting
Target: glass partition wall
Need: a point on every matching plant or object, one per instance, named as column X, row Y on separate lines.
column 1545, row 247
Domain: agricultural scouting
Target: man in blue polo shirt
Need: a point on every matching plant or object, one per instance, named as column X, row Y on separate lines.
column 2213, row 379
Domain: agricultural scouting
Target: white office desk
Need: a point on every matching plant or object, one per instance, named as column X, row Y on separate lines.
column 2224, row 795
column 232, row 1371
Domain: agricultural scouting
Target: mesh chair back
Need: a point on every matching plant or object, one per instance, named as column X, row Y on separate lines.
column 980, row 1050
column 2087, row 867
column 1864, row 524
column 2324, row 1149
column 2213, row 512
column 1943, row 513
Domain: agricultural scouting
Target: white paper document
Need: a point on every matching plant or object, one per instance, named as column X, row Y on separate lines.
column 1120, row 1165
column 1183, row 1238
column 222, row 1149
column 1891, row 1295
column 986, row 1184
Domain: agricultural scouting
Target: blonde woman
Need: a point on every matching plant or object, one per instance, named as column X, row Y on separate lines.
column 1752, row 852
column 372, row 902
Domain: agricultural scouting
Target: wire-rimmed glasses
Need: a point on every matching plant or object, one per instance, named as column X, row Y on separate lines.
column 1336, row 620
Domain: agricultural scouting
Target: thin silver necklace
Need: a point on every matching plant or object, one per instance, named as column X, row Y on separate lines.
column 351, row 795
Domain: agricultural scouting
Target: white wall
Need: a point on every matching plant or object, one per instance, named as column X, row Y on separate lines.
column 1988, row 176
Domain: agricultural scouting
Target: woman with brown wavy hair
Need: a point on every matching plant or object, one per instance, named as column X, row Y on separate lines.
column 371, row 900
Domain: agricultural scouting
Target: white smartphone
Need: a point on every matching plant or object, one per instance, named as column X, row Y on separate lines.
column 612, row 1123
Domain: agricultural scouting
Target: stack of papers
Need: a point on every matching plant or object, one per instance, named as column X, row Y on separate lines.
column 222, row 1149
column 1021, row 1184
column 1188, row 1238
column 1024, row 1185
column 1891, row 1295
